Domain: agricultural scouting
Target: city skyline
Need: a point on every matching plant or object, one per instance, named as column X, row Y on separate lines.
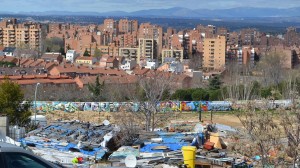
column 136, row 5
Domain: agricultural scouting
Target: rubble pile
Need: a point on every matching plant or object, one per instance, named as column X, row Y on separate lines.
column 63, row 141
column 84, row 144
column 165, row 148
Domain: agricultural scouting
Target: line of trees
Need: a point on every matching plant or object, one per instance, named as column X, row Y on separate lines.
column 250, row 91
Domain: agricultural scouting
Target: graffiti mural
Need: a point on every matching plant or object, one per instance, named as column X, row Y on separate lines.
column 168, row 106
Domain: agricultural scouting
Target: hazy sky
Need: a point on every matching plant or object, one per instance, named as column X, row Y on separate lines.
column 134, row 5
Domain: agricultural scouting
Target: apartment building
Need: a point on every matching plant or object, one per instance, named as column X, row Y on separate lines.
column 177, row 54
column 54, row 27
column 155, row 32
column 147, row 49
column 128, row 39
column 128, row 26
column 14, row 35
column 248, row 36
column 246, row 55
column 214, row 53
column 208, row 31
column 129, row 53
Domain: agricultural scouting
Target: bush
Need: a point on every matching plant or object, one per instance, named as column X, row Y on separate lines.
column 200, row 94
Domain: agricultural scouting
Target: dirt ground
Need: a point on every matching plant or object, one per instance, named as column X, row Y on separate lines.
column 225, row 118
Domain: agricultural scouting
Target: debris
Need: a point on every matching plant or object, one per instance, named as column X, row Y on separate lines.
column 70, row 142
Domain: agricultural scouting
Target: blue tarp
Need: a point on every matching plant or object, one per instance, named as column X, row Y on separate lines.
column 171, row 146
column 55, row 145
column 172, row 140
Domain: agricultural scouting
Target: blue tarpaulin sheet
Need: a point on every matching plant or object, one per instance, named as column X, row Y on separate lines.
column 55, row 145
column 172, row 140
column 171, row 146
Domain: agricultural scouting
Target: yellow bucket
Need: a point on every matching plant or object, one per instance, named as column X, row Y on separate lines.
column 189, row 155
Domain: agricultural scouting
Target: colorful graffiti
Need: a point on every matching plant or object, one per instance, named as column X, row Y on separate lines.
column 169, row 106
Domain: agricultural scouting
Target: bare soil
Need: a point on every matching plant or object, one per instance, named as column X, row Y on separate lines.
column 225, row 118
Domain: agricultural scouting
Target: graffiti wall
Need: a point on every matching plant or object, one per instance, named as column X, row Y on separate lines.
column 170, row 106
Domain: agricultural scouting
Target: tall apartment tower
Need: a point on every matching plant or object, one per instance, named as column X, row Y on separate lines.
column 111, row 26
column 214, row 50
column 148, row 31
column 128, row 26
column 14, row 35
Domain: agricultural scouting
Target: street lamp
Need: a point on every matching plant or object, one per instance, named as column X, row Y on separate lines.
column 36, row 86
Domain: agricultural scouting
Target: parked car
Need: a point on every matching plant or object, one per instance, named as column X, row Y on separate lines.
column 12, row 156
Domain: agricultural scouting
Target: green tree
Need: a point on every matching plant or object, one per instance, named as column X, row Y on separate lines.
column 166, row 95
column 48, row 49
column 98, row 54
column 86, row 53
column 62, row 50
column 96, row 89
column 266, row 92
column 200, row 94
column 215, row 95
column 12, row 105
column 7, row 64
column 182, row 95
column 215, row 83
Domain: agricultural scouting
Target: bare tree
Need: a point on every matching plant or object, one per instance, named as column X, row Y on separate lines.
column 261, row 132
column 129, row 125
column 148, row 93
column 195, row 61
column 290, row 121
column 272, row 67
column 25, row 51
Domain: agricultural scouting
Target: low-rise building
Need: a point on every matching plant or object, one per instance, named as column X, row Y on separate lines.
column 177, row 54
column 71, row 56
column 128, row 65
column 9, row 51
column 52, row 57
column 86, row 60
column 129, row 53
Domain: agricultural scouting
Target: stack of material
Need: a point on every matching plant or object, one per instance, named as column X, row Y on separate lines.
column 123, row 152
column 68, row 140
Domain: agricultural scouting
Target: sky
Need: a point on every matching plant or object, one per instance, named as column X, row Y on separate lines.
column 135, row 5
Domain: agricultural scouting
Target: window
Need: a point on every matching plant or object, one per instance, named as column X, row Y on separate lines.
column 16, row 160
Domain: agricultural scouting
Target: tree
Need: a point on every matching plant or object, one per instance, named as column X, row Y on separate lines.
column 271, row 66
column 200, row 94
column 166, row 95
column 48, row 49
column 54, row 44
column 195, row 61
column 290, row 121
column 12, row 105
column 7, row 64
column 97, row 54
column 148, row 93
column 261, row 133
column 68, row 47
column 96, row 89
column 62, row 50
column 86, row 53
column 182, row 95
column 24, row 50
column 215, row 83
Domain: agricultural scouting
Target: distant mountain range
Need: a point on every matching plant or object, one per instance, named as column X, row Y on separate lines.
column 179, row 12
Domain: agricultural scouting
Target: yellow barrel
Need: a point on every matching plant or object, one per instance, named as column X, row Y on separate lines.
column 189, row 155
